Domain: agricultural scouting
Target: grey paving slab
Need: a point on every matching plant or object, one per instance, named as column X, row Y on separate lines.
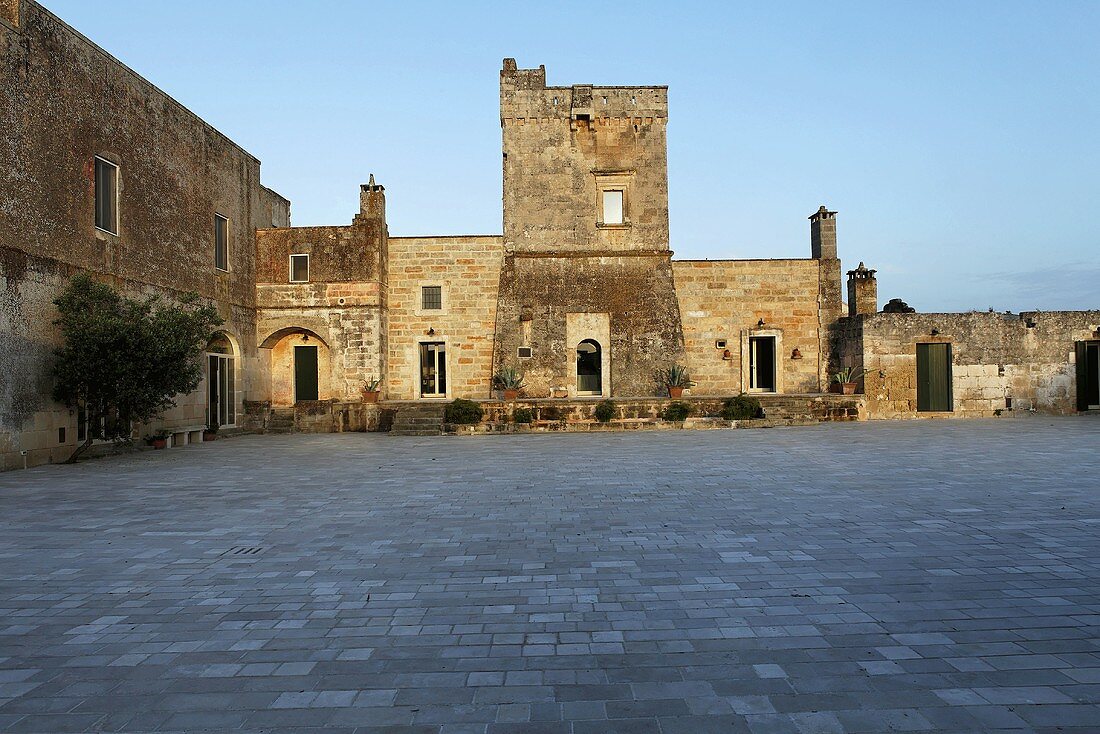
column 920, row 576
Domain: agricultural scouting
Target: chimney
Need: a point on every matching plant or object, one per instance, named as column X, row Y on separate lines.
column 372, row 201
column 862, row 291
column 823, row 234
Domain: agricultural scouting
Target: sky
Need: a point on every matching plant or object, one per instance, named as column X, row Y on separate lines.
column 957, row 141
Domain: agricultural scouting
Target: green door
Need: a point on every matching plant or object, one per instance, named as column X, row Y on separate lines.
column 934, row 378
column 305, row 373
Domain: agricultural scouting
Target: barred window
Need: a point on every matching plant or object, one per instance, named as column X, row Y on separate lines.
column 431, row 297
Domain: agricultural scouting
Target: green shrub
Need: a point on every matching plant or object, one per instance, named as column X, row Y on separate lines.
column 523, row 415
column 605, row 411
column 740, row 408
column 676, row 412
column 463, row 412
column 550, row 413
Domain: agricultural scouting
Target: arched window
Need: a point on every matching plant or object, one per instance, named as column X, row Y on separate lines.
column 589, row 368
column 221, row 381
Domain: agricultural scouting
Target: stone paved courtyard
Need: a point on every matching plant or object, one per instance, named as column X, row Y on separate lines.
column 922, row 576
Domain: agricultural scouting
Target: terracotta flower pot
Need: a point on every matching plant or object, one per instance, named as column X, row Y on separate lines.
column 160, row 443
column 371, row 396
column 843, row 388
column 209, row 436
column 675, row 392
column 511, row 394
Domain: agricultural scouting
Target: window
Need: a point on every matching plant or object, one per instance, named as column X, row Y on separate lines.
column 221, row 242
column 431, row 297
column 612, row 207
column 106, row 195
column 299, row 268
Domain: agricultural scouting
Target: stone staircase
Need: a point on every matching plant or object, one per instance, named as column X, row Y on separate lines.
column 280, row 420
column 418, row 419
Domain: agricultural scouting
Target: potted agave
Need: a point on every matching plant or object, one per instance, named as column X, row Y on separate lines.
column 676, row 379
column 844, row 381
column 211, row 432
column 509, row 381
column 372, row 389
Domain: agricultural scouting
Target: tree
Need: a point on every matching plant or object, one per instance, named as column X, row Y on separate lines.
column 125, row 360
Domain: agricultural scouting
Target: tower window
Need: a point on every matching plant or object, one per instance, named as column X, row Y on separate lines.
column 613, row 207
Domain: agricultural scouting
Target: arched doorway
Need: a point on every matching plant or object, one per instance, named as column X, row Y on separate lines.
column 300, row 366
column 589, row 368
column 221, row 381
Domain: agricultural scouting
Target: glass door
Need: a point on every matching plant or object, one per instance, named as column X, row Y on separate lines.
column 221, row 406
column 433, row 370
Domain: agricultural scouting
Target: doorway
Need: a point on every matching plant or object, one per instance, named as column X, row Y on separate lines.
column 589, row 368
column 934, row 393
column 305, row 373
column 221, row 403
column 1088, row 375
column 433, row 370
column 762, row 363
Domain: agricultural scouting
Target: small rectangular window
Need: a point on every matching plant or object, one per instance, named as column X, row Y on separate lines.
column 431, row 298
column 299, row 268
column 106, row 195
column 221, row 242
column 612, row 207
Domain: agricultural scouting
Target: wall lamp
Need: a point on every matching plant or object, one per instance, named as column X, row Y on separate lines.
column 760, row 324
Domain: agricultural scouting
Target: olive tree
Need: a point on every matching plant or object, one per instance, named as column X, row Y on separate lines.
column 124, row 360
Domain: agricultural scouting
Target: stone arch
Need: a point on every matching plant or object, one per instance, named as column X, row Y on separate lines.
column 300, row 363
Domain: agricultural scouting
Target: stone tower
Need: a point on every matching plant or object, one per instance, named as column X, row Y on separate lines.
column 587, row 258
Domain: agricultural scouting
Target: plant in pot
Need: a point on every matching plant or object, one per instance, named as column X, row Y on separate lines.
column 509, row 381
column 159, row 440
column 844, row 381
column 676, row 379
column 372, row 389
column 211, row 432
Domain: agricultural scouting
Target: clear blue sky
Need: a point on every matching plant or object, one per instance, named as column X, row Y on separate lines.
column 958, row 141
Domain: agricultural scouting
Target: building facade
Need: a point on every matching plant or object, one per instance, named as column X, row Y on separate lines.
column 106, row 174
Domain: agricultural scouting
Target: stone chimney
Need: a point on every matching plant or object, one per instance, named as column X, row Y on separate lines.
column 823, row 234
column 862, row 291
column 372, row 201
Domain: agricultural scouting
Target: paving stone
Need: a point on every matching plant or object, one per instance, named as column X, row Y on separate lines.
column 824, row 579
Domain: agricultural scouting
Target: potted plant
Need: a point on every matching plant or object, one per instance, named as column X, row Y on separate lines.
column 844, row 381
column 372, row 389
column 211, row 432
column 509, row 381
column 159, row 440
column 676, row 379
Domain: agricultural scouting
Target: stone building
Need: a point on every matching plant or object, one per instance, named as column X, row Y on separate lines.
column 104, row 173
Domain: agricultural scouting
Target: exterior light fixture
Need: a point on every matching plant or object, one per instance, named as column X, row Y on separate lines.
column 796, row 353
column 431, row 331
column 935, row 332
column 760, row 324
column 305, row 336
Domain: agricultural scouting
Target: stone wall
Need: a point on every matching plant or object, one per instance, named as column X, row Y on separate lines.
column 726, row 300
column 468, row 271
column 64, row 101
column 1000, row 362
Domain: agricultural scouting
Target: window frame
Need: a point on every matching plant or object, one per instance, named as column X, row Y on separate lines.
column 290, row 262
column 618, row 181
column 603, row 207
column 116, row 194
column 423, row 298
column 418, row 302
column 218, row 220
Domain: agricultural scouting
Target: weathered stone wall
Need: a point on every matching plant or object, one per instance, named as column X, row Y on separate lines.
column 637, row 294
column 64, row 101
column 1028, row 357
column 726, row 299
column 468, row 270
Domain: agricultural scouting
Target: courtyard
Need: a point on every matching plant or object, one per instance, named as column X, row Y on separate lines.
column 864, row 577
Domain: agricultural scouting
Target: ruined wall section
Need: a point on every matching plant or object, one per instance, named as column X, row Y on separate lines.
column 63, row 101
column 468, row 271
column 1028, row 357
column 726, row 300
